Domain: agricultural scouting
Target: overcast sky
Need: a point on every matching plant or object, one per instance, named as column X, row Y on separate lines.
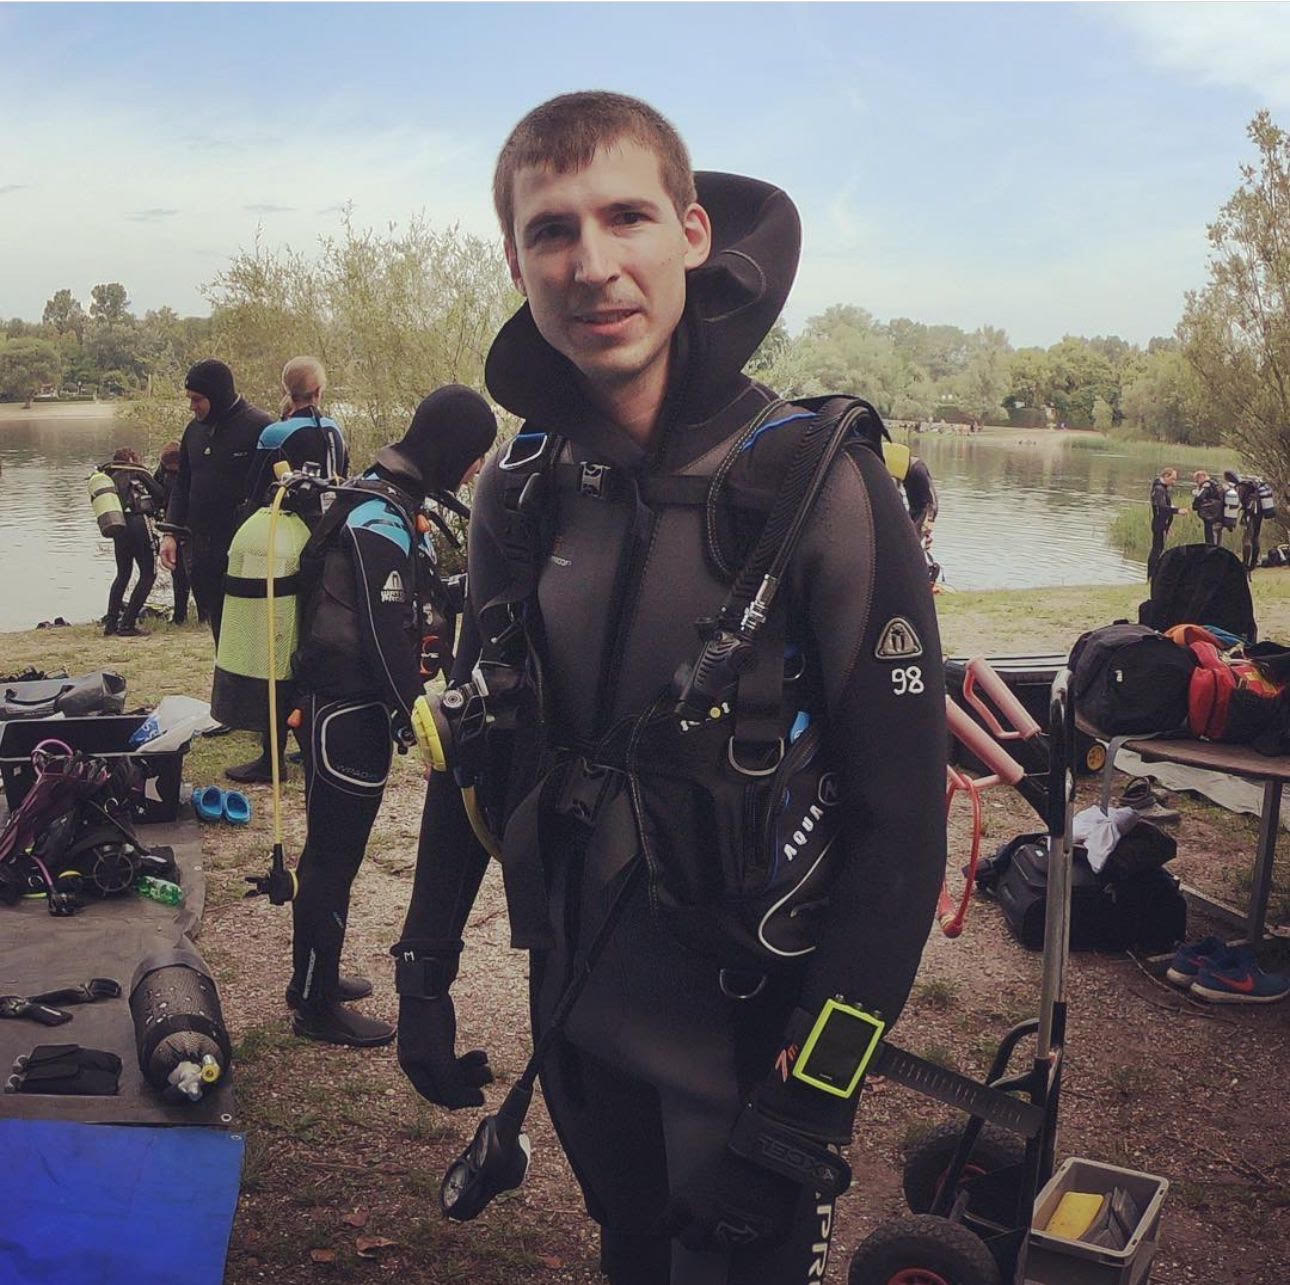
column 1048, row 169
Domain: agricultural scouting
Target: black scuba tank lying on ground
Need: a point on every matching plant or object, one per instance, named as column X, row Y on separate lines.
column 179, row 1029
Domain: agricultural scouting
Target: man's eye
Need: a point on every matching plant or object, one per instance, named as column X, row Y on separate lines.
column 631, row 217
column 548, row 232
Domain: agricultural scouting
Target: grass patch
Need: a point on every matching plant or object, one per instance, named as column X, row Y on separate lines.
column 937, row 993
column 942, row 1056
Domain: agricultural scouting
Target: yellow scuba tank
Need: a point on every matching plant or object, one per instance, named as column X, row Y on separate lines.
column 239, row 696
column 896, row 456
column 106, row 504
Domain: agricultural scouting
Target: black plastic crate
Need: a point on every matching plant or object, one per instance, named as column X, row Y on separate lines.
column 1030, row 679
column 105, row 736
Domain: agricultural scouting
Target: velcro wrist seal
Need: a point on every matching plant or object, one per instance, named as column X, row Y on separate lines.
column 424, row 972
column 790, row 1154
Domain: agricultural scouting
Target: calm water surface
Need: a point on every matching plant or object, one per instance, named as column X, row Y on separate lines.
column 1010, row 517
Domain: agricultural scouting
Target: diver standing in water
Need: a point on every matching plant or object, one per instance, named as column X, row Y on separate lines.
column 141, row 496
column 1162, row 516
column 673, row 1079
column 360, row 687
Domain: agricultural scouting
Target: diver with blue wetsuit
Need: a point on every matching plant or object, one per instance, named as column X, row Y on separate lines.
column 359, row 680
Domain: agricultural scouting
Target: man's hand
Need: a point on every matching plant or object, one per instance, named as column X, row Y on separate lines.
column 732, row 1203
column 428, row 1054
column 169, row 552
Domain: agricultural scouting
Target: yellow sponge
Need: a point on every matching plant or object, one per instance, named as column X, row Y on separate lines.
column 1075, row 1214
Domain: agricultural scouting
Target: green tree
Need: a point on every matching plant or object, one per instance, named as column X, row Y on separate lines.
column 64, row 313
column 109, row 302
column 117, row 346
column 26, row 365
column 1236, row 331
column 391, row 315
column 1029, row 378
column 1165, row 400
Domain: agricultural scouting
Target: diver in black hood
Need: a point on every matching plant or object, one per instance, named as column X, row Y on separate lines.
column 215, row 455
column 648, row 288
column 359, row 673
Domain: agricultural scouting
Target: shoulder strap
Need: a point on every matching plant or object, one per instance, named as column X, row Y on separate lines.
column 727, row 656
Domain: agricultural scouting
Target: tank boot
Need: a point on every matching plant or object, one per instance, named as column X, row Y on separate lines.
column 330, row 1022
column 348, row 990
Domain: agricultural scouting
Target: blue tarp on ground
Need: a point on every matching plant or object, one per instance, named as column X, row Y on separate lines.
column 115, row 1205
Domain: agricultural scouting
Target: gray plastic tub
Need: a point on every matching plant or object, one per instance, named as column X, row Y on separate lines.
column 1053, row 1260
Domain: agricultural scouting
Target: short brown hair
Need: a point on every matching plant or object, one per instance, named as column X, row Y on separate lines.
column 564, row 134
column 125, row 455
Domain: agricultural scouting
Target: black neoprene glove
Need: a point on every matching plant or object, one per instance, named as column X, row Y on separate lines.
column 428, row 1028
column 779, row 1145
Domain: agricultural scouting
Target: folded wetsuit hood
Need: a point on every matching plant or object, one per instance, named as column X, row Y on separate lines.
column 732, row 300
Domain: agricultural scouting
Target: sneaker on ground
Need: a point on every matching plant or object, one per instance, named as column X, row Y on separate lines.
column 1149, row 805
column 1187, row 962
column 1236, row 978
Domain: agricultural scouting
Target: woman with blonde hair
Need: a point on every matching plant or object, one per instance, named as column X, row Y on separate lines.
column 307, row 440
column 303, row 436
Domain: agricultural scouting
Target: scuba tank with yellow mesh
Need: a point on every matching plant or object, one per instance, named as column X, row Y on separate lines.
column 106, row 504
column 267, row 547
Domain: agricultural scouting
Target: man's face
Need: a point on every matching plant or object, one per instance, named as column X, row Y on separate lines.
column 601, row 255
column 201, row 406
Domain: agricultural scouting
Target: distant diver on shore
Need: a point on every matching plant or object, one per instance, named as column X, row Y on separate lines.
column 1162, row 515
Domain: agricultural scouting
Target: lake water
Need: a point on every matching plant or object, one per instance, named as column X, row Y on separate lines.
column 1011, row 517
column 1022, row 517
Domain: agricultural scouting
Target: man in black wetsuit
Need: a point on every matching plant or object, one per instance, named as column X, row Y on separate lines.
column 645, row 298
column 215, row 456
column 359, row 676
column 920, row 493
column 1162, row 516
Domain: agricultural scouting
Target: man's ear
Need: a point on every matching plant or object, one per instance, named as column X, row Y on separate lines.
column 513, row 263
column 697, row 228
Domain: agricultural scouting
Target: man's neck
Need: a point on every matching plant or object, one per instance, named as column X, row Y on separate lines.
column 634, row 408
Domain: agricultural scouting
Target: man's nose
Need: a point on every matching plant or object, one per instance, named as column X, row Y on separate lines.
column 595, row 263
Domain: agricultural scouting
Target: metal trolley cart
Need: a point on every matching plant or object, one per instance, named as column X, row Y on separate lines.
column 975, row 1190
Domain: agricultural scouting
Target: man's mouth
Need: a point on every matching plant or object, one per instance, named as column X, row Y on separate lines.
column 605, row 316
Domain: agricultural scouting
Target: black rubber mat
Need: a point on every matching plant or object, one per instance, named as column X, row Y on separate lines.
column 104, row 939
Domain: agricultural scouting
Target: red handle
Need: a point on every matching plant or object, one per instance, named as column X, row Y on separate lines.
column 983, row 745
column 979, row 673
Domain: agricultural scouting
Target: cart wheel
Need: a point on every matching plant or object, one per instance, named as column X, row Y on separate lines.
column 928, row 1161
column 923, row 1250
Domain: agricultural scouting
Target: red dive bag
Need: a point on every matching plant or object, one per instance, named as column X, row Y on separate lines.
column 1232, row 700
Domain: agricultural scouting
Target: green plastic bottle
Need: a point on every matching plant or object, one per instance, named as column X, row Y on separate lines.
column 170, row 894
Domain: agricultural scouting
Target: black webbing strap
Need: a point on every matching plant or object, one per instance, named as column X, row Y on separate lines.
column 254, row 587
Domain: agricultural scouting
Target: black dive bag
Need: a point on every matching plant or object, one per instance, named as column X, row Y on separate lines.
column 1130, row 680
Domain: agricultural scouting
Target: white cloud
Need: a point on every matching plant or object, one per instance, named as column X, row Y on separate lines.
column 1236, row 45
